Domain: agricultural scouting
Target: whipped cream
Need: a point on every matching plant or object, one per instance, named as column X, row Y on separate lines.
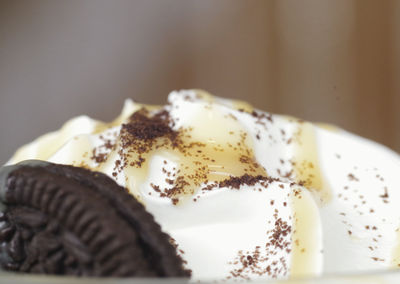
column 244, row 194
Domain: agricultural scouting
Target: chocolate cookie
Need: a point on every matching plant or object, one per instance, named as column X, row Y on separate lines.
column 64, row 220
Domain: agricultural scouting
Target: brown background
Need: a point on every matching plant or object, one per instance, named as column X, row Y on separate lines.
column 334, row 61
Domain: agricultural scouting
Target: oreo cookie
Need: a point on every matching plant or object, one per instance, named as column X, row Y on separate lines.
column 65, row 220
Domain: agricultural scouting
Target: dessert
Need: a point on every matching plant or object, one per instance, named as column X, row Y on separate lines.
column 244, row 194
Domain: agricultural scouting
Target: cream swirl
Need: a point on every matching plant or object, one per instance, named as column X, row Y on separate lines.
column 245, row 194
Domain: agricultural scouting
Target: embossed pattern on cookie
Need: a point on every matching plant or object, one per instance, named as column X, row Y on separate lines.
column 65, row 220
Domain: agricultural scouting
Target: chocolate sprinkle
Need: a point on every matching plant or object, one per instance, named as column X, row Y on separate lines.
column 146, row 128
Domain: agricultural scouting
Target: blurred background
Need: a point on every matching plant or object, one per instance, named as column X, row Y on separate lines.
column 327, row 61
